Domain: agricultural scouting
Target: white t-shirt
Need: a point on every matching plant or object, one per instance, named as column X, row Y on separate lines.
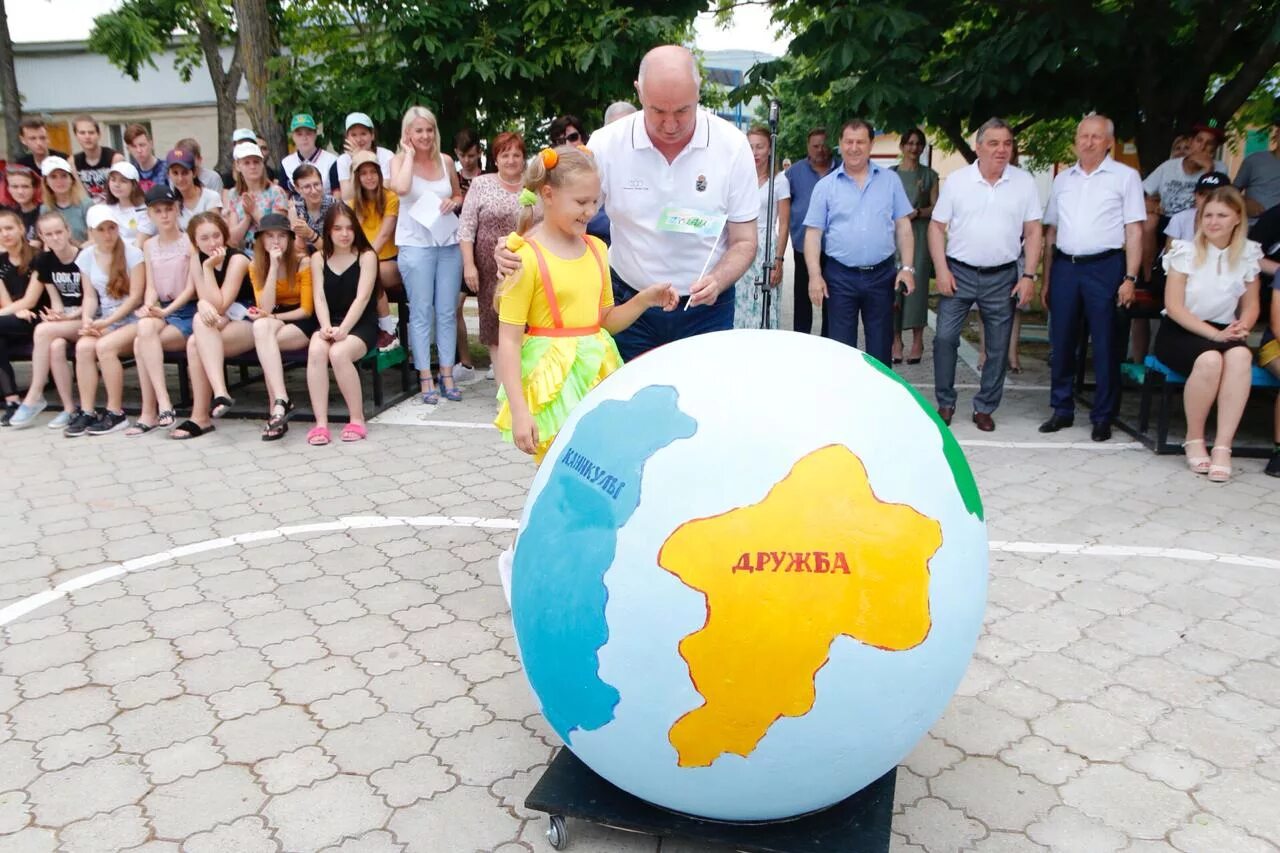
column 985, row 221
column 133, row 221
column 1091, row 210
column 87, row 261
column 1214, row 287
column 781, row 190
column 715, row 174
column 1176, row 189
column 209, row 200
column 1182, row 225
column 321, row 159
column 344, row 164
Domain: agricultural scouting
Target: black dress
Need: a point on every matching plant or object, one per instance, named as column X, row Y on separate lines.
column 340, row 291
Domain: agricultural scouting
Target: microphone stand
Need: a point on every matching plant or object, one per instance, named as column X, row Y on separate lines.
column 766, row 269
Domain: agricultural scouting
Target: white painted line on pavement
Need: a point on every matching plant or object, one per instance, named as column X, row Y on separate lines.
column 1053, row 445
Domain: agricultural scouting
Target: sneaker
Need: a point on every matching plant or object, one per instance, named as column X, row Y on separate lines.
column 463, row 375
column 79, row 422
column 10, row 409
column 1273, row 465
column 387, row 341
column 488, row 374
column 26, row 415
column 61, row 420
column 108, row 422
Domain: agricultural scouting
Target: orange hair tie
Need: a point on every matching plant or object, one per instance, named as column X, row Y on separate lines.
column 585, row 150
column 549, row 158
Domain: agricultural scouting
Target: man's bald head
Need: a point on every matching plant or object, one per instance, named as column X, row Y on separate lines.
column 668, row 85
column 666, row 66
column 1098, row 123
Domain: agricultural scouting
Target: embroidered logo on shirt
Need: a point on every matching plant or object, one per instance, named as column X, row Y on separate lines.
column 701, row 184
column 636, row 184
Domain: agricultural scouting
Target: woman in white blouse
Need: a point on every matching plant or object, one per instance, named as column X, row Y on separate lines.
column 1212, row 301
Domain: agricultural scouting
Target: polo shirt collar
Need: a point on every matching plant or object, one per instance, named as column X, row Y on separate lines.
column 701, row 131
column 977, row 174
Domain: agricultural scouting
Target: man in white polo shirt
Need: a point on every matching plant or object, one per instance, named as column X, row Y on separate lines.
column 987, row 214
column 1093, row 228
column 670, row 174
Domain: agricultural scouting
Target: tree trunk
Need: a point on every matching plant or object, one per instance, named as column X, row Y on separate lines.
column 226, row 86
column 257, row 39
column 12, row 102
column 956, row 136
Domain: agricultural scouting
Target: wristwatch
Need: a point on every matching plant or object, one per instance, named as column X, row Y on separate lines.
column 1031, row 275
column 1130, row 278
column 905, row 268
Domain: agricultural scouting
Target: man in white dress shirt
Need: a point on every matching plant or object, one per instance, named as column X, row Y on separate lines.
column 987, row 214
column 1093, row 230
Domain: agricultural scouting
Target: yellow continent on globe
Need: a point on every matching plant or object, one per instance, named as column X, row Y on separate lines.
column 819, row 557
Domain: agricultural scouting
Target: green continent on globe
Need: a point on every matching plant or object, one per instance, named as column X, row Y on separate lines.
column 818, row 558
column 558, row 594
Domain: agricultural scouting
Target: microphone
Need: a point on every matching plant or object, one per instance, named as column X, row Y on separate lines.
column 773, row 114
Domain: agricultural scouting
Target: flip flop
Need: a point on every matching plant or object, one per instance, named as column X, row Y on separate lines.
column 318, row 436
column 222, row 405
column 192, row 430
column 354, row 432
column 139, row 428
column 167, row 418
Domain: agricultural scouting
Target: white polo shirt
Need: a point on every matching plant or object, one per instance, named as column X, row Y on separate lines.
column 1091, row 210
column 984, row 221
column 321, row 159
column 714, row 174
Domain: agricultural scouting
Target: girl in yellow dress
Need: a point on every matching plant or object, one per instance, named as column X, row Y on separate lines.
column 556, row 313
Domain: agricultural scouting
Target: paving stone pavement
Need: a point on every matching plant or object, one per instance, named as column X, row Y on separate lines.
column 357, row 689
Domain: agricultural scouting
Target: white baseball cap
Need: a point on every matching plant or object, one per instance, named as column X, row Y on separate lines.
column 244, row 134
column 362, row 119
column 246, row 149
column 51, row 164
column 125, row 169
column 98, row 214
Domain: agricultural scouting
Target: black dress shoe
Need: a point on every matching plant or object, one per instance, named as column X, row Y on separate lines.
column 946, row 413
column 985, row 422
column 1273, row 466
column 1101, row 431
column 1057, row 422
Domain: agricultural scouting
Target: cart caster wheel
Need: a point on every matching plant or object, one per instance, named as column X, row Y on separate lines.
column 557, row 832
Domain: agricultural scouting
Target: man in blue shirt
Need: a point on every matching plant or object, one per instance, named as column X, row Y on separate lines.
column 803, row 177
column 860, row 213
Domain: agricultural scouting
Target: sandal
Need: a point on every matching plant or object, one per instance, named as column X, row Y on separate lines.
column 167, row 418
column 1197, row 464
column 451, row 391
column 192, row 430
column 1220, row 473
column 354, row 432
column 278, row 424
column 139, row 428
column 222, row 405
column 430, row 396
column 318, row 436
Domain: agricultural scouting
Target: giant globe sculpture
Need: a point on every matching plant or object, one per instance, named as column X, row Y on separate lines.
column 749, row 575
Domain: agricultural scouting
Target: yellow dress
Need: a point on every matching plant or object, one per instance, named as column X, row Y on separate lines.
column 565, row 351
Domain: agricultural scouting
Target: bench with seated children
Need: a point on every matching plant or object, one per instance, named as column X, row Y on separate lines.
column 1159, row 383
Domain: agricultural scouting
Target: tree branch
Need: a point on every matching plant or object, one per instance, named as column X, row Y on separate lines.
column 958, row 141
column 209, row 46
column 1237, row 90
column 1211, row 41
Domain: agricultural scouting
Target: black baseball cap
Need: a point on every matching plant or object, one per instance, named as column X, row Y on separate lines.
column 162, row 193
column 274, row 222
column 1211, row 181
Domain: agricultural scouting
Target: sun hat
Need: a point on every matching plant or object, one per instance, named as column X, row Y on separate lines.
column 359, row 158
column 274, row 222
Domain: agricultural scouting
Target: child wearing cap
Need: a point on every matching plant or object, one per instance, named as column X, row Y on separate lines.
column 193, row 197
column 128, row 204
column 1182, row 225
column 305, row 150
column 360, row 136
column 254, row 196
column 168, row 308
column 64, row 193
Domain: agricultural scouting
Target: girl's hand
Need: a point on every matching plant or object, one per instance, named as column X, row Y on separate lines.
column 253, row 312
column 662, row 296
column 275, row 254
column 524, row 431
column 215, row 257
column 51, row 316
column 250, row 205
column 91, row 331
column 143, row 312
column 471, row 277
column 448, row 205
column 25, row 314
column 336, row 334
column 406, row 144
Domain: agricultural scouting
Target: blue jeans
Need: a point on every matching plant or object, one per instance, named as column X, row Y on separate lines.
column 432, row 279
column 991, row 293
column 1084, row 292
column 657, row 327
column 852, row 293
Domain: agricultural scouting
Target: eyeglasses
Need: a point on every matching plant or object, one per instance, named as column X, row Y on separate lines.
column 573, row 137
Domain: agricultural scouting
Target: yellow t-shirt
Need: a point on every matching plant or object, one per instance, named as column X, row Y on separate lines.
column 296, row 292
column 580, row 293
column 372, row 224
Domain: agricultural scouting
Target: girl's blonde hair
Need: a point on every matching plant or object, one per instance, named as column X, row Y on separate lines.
column 1231, row 197
column 413, row 114
column 569, row 160
column 79, row 195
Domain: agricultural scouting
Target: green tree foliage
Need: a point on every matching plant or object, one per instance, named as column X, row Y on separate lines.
column 490, row 66
column 1154, row 66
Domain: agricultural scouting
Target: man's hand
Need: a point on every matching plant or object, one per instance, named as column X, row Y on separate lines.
column 1022, row 290
column 775, row 277
column 704, row 291
column 1124, row 296
column 817, row 290
column 907, row 278
column 946, row 281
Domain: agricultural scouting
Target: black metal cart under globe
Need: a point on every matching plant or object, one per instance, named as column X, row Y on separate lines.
column 568, row 788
